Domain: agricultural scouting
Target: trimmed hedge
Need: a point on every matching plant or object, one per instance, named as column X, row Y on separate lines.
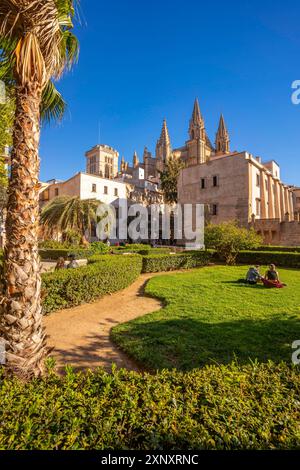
column 281, row 249
column 186, row 260
column 70, row 287
column 288, row 260
column 218, row 407
column 54, row 254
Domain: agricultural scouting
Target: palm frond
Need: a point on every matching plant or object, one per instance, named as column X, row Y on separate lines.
column 53, row 105
column 65, row 213
column 44, row 44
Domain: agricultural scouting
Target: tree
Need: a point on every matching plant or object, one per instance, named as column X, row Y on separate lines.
column 65, row 213
column 228, row 239
column 36, row 45
column 169, row 178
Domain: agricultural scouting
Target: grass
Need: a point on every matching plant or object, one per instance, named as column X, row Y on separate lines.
column 210, row 318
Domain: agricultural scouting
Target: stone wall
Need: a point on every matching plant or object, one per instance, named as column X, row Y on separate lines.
column 279, row 233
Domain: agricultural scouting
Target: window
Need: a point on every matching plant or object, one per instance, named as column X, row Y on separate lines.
column 116, row 192
column 257, row 180
column 215, row 181
column 214, row 209
column 202, row 183
column 56, row 191
column 93, row 164
column 258, row 207
column 94, row 188
column 105, row 190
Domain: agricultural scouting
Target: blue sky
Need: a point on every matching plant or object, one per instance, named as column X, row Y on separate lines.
column 144, row 61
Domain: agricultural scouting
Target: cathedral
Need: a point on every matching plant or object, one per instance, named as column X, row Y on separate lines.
column 198, row 149
column 232, row 185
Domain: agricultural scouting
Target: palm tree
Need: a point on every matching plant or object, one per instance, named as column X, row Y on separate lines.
column 65, row 213
column 36, row 45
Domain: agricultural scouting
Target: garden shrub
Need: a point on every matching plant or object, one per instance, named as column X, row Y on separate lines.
column 189, row 259
column 288, row 260
column 283, row 249
column 131, row 248
column 218, row 407
column 54, row 254
column 53, row 245
column 228, row 239
column 69, row 287
column 98, row 248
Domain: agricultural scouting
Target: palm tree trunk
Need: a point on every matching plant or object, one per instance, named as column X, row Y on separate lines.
column 21, row 315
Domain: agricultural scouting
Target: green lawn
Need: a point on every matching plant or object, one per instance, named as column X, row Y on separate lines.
column 210, row 318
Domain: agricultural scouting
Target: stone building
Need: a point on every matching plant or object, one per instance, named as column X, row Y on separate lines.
column 85, row 186
column 296, row 194
column 237, row 185
column 196, row 150
column 102, row 160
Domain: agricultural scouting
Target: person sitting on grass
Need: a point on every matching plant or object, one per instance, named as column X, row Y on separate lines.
column 73, row 263
column 271, row 278
column 253, row 275
column 60, row 264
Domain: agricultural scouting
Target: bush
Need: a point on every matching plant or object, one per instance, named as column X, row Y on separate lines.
column 283, row 249
column 228, row 239
column 143, row 252
column 131, row 248
column 98, row 248
column 53, row 255
column 185, row 260
column 70, row 287
column 288, row 260
column 217, row 407
column 53, row 245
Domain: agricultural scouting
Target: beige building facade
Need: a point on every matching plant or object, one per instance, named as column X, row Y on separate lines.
column 102, row 160
column 85, row 186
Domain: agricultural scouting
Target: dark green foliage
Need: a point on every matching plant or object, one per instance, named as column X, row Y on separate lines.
column 218, row 407
column 98, row 248
column 288, row 260
column 282, row 249
column 169, row 179
column 228, row 239
column 156, row 263
column 54, row 254
column 55, row 245
column 69, row 287
column 131, row 248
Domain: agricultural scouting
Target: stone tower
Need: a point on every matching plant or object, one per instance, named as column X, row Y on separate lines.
column 198, row 140
column 135, row 160
column 222, row 138
column 163, row 148
column 122, row 164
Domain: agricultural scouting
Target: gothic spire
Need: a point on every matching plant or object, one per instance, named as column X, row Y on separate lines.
column 222, row 137
column 196, row 128
column 164, row 136
column 123, row 164
column 163, row 147
column 135, row 159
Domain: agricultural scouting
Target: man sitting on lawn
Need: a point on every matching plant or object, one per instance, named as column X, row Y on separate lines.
column 253, row 275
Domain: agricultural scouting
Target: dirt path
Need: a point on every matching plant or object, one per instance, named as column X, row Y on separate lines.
column 80, row 336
